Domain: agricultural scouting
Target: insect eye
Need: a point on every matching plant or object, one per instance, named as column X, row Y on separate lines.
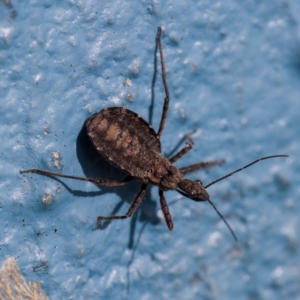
column 197, row 180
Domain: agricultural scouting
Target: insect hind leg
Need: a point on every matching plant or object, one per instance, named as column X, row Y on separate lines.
column 97, row 181
column 164, row 79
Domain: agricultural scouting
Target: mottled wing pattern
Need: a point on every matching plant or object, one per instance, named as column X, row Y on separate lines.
column 125, row 139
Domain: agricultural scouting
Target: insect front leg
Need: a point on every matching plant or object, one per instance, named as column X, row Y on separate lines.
column 200, row 166
column 133, row 207
column 165, row 210
column 182, row 152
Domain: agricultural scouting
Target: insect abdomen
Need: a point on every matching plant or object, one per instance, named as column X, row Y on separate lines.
column 125, row 139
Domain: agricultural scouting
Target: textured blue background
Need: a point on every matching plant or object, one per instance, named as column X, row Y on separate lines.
column 233, row 69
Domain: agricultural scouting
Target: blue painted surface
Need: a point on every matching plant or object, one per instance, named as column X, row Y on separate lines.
column 234, row 74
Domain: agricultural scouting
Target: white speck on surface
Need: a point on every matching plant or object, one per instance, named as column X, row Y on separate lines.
column 161, row 256
column 112, row 278
column 289, row 203
column 246, row 277
column 244, row 121
column 128, row 82
column 73, row 41
column 214, row 238
column 186, row 213
column 135, row 67
column 17, row 196
column 116, row 276
column 197, row 44
column 38, row 78
column 282, row 122
column 5, row 34
column 289, row 231
column 114, row 100
column 278, row 272
column 160, row 215
column 223, row 124
column 198, row 251
column 276, row 23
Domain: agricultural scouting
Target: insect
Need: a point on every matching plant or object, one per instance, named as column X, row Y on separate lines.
column 130, row 143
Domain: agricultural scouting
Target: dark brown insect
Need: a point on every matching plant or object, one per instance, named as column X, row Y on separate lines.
column 131, row 144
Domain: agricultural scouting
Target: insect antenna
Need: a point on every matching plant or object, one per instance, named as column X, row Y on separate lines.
column 224, row 220
column 215, row 208
column 254, row 162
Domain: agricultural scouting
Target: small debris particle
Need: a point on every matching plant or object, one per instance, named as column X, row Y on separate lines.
column 182, row 113
column 129, row 97
column 40, row 267
column 46, row 131
column 56, row 154
column 47, row 199
column 56, row 160
column 128, row 82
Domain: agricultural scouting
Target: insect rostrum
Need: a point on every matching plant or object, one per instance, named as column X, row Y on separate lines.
column 131, row 144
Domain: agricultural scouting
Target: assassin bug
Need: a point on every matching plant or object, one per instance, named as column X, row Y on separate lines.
column 130, row 143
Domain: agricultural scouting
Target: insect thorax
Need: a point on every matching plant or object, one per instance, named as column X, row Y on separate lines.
column 165, row 175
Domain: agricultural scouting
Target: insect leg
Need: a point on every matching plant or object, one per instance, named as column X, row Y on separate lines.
column 187, row 136
column 97, row 181
column 165, row 210
column 200, row 166
column 182, row 152
column 133, row 207
column 164, row 79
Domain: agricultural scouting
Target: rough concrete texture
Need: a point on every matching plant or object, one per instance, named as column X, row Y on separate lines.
column 233, row 69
